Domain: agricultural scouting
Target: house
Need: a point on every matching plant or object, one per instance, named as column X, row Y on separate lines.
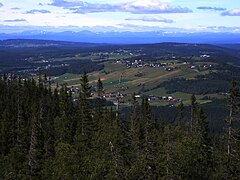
column 193, row 67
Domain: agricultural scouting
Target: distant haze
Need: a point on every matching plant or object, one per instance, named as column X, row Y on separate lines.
column 128, row 37
column 171, row 16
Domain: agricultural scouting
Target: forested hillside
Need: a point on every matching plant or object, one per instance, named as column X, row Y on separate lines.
column 46, row 134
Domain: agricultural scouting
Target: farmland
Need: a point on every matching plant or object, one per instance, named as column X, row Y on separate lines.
column 166, row 73
column 142, row 80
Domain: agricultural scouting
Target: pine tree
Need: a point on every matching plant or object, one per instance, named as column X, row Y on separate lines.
column 147, row 132
column 64, row 124
column 169, row 151
column 193, row 111
column 48, row 124
column 146, row 120
column 99, row 88
column 84, row 142
column 205, row 159
column 134, row 127
column 181, row 114
column 116, row 149
column 65, row 164
column 6, row 128
column 98, row 115
column 44, row 135
column 36, row 146
column 85, row 125
column 134, row 141
column 233, row 140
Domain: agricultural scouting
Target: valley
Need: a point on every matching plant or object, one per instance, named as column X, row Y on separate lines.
column 167, row 73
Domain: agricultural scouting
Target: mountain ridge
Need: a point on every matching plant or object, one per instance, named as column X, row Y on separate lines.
column 127, row 37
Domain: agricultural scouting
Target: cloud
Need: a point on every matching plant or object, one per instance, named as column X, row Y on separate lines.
column 66, row 4
column 1, row 4
column 151, row 19
column 152, row 7
column 96, row 8
column 235, row 29
column 40, row 4
column 34, row 11
column 233, row 12
column 15, row 20
column 211, row 8
column 15, row 8
column 135, row 7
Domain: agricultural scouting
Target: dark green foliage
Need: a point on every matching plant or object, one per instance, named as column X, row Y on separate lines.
column 181, row 114
column 232, row 133
column 85, row 124
column 98, row 114
column 205, row 161
column 198, row 86
column 44, row 134
column 65, row 164
column 193, row 112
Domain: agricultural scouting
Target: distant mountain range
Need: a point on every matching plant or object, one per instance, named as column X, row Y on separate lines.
column 127, row 37
column 35, row 43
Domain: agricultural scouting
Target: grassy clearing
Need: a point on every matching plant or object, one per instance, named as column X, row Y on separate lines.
column 134, row 80
column 157, row 92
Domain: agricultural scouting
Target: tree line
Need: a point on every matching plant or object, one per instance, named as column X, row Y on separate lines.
column 44, row 134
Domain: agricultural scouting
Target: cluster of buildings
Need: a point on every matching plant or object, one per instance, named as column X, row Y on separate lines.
column 112, row 95
column 162, row 98
column 202, row 67
column 140, row 63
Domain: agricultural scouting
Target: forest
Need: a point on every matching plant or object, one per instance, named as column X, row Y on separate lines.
column 213, row 82
column 45, row 134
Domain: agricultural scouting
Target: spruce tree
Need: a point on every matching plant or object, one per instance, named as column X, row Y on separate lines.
column 64, row 124
column 233, row 140
column 85, row 130
column 98, row 115
column 36, row 146
column 147, row 133
column 85, row 123
column 193, row 112
column 134, row 141
column 65, row 164
column 205, row 159
column 181, row 114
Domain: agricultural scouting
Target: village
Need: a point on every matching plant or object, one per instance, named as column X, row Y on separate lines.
column 125, row 61
column 169, row 65
column 122, row 95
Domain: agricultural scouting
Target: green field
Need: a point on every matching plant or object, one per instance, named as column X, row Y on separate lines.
column 146, row 83
column 92, row 57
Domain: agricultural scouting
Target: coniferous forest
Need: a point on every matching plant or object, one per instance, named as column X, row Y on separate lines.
column 44, row 134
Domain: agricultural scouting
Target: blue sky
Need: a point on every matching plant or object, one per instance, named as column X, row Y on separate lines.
column 120, row 15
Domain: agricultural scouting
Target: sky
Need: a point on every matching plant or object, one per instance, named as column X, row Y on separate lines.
column 120, row 15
